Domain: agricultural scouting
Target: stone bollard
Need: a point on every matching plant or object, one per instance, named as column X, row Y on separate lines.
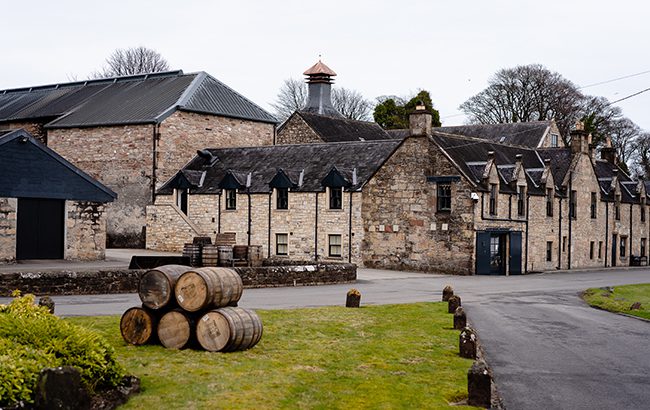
column 47, row 302
column 479, row 385
column 460, row 318
column 453, row 303
column 61, row 388
column 447, row 292
column 353, row 298
column 467, row 343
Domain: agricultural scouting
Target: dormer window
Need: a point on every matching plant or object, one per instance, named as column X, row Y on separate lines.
column 282, row 198
column 521, row 201
column 554, row 140
column 493, row 199
column 181, row 200
column 444, row 197
column 336, row 197
column 231, row 199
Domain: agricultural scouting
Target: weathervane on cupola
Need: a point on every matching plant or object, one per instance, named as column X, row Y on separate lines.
column 320, row 80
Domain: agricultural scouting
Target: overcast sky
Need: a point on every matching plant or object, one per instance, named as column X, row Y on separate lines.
column 377, row 47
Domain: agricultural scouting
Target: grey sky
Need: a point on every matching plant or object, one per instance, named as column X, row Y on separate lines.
column 377, row 47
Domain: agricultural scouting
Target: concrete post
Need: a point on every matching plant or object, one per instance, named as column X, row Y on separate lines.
column 460, row 318
column 453, row 303
column 479, row 385
column 447, row 292
column 467, row 343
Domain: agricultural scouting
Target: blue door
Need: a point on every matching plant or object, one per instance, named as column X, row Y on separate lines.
column 515, row 253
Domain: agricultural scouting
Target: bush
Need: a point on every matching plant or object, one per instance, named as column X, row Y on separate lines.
column 31, row 338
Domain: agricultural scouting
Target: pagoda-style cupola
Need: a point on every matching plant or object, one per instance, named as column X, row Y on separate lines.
column 320, row 80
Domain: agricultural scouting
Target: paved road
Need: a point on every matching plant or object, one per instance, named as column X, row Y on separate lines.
column 547, row 349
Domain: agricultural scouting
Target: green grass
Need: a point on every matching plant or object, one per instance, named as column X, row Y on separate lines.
column 621, row 299
column 377, row 357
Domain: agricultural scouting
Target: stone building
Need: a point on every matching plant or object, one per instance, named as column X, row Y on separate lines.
column 319, row 121
column 133, row 133
column 433, row 201
column 49, row 209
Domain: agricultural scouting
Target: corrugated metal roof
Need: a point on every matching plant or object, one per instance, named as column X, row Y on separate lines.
column 332, row 129
column 316, row 160
column 127, row 100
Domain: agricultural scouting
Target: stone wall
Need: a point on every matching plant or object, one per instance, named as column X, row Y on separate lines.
column 85, row 231
column 296, row 131
column 168, row 228
column 7, row 230
column 300, row 275
column 37, row 129
column 403, row 230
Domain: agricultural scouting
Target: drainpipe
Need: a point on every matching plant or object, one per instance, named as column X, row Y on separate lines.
column 606, row 231
column 154, row 163
column 527, row 215
column 248, row 193
column 559, row 236
column 570, row 219
column 350, row 232
column 219, row 213
column 268, row 250
column 630, row 253
column 316, row 231
column 509, row 206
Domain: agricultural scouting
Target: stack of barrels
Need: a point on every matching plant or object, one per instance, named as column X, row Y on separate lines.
column 186, row 307
column 207, row 254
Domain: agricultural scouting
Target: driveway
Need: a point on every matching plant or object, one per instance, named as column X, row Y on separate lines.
column 547, row 349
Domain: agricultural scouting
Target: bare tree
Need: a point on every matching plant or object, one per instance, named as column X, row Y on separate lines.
column 641, row 156
column 351, row 104
column 130, row 61
column 293, row 97
column 624, row 134
column 526, row 93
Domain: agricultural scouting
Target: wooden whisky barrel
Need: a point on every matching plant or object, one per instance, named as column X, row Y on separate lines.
column 209, row 287
column 225, row 255
column 210, row 255
column 229, row 329
column 240, row 252
column 156, row 286
column 138, row 325
column 193, row 251
column 176, row 329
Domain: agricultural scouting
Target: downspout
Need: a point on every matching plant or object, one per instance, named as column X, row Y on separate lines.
column 570, row 219
column 248, row 193
column 630, row 253
column 509, row 206
column 268, row 250
column 316, row 230
column 606, row 231
column 559, row 237
column 154, row 162
column 350, row 232
column 219, row 213
column 527, row 215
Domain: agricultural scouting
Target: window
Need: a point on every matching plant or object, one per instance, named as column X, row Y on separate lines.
column 282, row 198
column 493, row 199
column 554, row 140
column 336, row 198
column 549, row 251
column 231, row 199
column 181, row 200
column 521, row 201
column 549, row 201
column 564, row 244
column 444, row 197
column 623, row 244
column 591, row 249
column 643, row 247
column 642, row 209
column 281, row 244
column 594, row 205
column 600, row 249
column 335, row 245
column 573, row 198
column 617, row 207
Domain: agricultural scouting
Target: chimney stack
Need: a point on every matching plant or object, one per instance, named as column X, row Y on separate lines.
column 580, row 139
column 420, row 120
column 608, row 153
column 319, row 99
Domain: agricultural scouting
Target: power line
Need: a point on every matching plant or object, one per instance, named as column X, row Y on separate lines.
column 613, row 79
column 630, row 96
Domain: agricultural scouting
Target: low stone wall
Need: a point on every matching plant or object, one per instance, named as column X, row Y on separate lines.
column 126, row 281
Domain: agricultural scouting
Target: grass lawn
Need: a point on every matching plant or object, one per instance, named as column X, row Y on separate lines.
column 621, row 299
column 375, row 357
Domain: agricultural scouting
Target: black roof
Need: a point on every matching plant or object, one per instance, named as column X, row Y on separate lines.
column 29, row 169
column 526, row 134
column 147, row 98
column 332, row 129
column 307, row 166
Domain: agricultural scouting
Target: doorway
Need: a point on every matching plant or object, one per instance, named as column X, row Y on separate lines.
column 40, row 228
column 498, row 252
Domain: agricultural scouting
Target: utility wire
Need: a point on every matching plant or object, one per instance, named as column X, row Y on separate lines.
column 614, row 79
column 630, row 96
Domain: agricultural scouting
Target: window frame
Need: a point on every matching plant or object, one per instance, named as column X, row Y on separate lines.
column 331, row 245
column 643, row 247
column 617, row 207
column 642, row 210
column 335, row 197
column 443, row 200
column 554, row 140
column 549, row 251
column 623, row 246
column 231, row 199
column 278, row 243
column 492, row 200
column 282, row 198
column 594, row 205
column 183, row 200
column 592, row 252
column 549, row 202
column 573, row 204
column 600, row 249
column 521, row 198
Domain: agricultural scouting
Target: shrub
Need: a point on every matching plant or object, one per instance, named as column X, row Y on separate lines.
column 31, row 338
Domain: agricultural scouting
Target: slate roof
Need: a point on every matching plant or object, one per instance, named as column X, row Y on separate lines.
column 606, row 171
column 139, row 99
column 332, row 129
column 29, row 169
column 352, row 160
column 525, row 134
